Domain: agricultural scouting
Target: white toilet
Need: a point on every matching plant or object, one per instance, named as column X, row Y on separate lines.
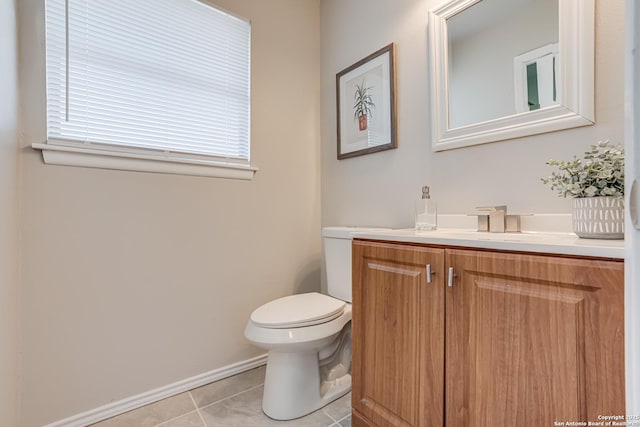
column 309, row 338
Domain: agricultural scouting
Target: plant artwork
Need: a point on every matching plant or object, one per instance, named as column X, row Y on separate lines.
column 366, row 105
column 599, row 174
column 363, row 106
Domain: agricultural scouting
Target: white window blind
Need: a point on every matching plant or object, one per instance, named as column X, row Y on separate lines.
column 163, row 76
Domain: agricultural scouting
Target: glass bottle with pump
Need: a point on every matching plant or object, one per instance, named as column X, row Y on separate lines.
column 426, row 212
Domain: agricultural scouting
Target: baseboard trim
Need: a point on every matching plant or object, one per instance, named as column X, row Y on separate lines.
column 134, row 402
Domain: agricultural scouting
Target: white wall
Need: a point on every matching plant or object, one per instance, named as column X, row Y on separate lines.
column 379, row 189
column 136, row 280
column 9, row 167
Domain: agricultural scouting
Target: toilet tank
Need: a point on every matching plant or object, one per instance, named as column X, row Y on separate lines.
column 337, row 254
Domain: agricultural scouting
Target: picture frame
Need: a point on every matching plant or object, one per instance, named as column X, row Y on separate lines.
column 366, row 105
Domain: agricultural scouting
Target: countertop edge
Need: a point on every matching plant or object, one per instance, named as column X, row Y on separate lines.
column 554, row 243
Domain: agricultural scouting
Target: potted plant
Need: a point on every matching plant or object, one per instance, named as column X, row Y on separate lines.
column 363, row 106
column 596, row 184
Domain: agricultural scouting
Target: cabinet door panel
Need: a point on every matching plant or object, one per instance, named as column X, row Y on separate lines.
column 398, row 332
column 533, row 339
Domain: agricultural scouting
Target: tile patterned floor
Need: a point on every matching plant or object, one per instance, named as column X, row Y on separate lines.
column 232, row 402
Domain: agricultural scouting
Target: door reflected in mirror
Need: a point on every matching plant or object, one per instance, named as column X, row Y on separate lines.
column 503, row 59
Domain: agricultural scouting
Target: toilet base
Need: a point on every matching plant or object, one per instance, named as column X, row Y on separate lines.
column 293, row 388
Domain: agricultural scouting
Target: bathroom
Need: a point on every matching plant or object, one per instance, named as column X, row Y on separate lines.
column 116, row 283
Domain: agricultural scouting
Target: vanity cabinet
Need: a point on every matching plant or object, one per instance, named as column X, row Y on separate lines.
column 518, row 339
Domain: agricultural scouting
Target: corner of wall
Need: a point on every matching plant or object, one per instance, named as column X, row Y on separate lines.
column 10, row 333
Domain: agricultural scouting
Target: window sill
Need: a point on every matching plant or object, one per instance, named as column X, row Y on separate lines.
column 105, row 159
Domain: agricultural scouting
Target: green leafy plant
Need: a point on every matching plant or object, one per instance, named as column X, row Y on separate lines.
column 363, row 105
column 599, row 174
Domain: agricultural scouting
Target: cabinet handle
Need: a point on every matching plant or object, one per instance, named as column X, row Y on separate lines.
column 450, row 278
column 429, row 273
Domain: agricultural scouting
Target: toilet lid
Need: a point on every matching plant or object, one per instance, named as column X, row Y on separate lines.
column 296, row 311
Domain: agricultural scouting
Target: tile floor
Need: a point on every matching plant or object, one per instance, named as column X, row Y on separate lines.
column 231, row 402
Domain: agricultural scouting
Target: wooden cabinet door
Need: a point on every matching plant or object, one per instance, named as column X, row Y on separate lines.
column 533, row 339
column 398, row 335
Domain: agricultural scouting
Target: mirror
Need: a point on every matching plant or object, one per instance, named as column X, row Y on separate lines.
column 486, row 84
column 504, row 69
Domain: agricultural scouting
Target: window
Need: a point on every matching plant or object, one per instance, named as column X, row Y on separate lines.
column 161, row 84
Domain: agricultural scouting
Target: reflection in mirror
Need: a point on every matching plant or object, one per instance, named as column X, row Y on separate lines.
column 503, row 69
column 503, row 59
column 535, row 76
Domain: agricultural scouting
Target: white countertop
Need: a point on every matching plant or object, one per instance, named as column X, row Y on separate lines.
column 540, row 242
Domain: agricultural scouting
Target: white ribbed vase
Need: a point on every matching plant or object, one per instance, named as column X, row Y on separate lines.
column 598, row 217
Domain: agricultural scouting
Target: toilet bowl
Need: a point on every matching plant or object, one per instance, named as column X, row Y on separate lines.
column 307, row 366
column 308, row 338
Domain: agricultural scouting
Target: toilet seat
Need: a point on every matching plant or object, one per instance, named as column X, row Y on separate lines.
column 302, row 339
column 297, row 311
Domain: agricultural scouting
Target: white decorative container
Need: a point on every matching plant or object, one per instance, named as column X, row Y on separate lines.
column 598, row 217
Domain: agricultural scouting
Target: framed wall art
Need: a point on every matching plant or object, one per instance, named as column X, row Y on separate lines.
column 366, row 98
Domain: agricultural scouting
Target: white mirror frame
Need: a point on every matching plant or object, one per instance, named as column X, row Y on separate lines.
column 576, row 81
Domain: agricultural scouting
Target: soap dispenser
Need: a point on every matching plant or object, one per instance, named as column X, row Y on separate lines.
column 426, row 211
